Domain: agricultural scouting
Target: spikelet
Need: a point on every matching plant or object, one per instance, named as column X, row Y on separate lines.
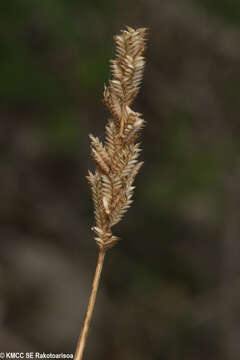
column 117, row 160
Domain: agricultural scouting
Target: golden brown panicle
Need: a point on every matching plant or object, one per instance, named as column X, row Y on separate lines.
column 117, row 160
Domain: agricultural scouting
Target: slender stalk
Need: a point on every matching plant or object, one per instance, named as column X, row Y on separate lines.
column 84, row 333
column 117, row 159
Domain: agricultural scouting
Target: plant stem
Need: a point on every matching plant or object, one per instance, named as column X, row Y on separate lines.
column 84, row 333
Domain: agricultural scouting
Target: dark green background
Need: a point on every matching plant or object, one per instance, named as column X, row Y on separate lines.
column 171, row 287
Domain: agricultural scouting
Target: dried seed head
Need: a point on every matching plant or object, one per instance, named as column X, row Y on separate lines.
column 117, row 160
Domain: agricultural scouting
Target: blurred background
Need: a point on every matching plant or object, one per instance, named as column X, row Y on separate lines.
column 171, row 287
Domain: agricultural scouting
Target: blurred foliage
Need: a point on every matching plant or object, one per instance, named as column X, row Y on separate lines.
column 186, row 168
column 35, row 35
column 63, row 131
column 229, row 10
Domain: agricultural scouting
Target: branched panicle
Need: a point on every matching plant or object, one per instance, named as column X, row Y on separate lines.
column 117, row 160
